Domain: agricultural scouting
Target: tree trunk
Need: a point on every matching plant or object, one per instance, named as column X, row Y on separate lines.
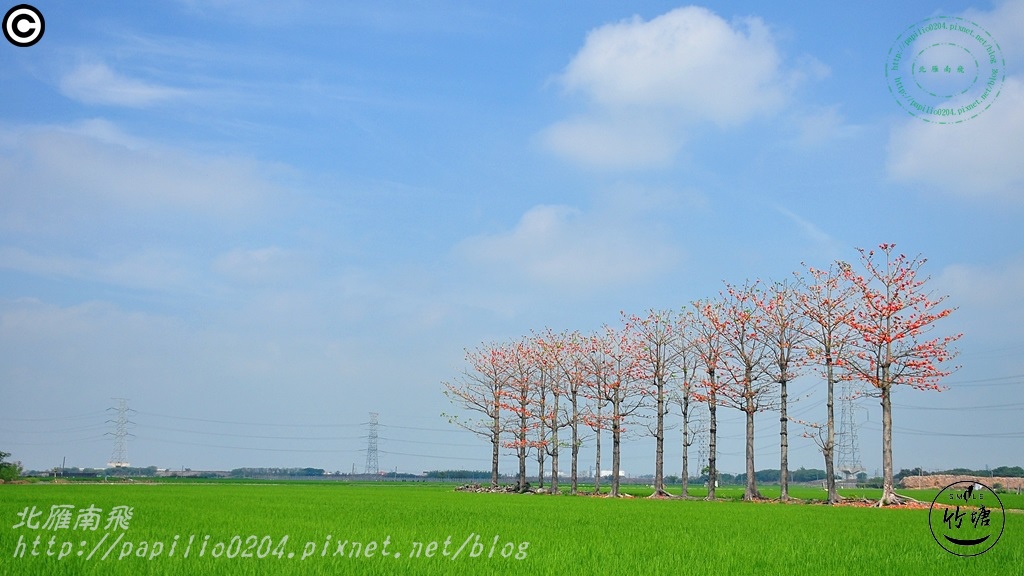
column 783, row 443
column 554, row 455
column 829, row 450
column 686, row 445
column 597, row 463
column 542, row 435
column 751, row 492
column 712, row 445
column 830, row 474
column 495, row 448
column 541, row 454
column 889, row 495
column 574, row 480
column 659, row 451
column 616, row 446
column 522, row 452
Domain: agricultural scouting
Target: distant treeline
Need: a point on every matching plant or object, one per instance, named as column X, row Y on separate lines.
column 250, row 472
column 459, row 474
column 768, row 476
column 1002, row 471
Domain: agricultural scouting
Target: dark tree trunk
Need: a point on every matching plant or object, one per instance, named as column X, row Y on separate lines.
column 616, row 446
column 574, row 480
column 751, row 492
column 597, row 463
column 495, row 448
column 659, row 451
column 783, row 442
column 541, row 453
column 829, row 450
column 686, row 445
column 889, row 495
column 712, row 444
column 555, row 425
column 522, row 451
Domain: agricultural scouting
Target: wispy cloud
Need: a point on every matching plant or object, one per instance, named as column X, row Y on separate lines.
column 146, row 269
column 567, row 248
column 97, row 83
column 822, row 241
column 93, row 172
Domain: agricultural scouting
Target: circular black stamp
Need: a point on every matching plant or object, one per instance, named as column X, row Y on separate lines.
column 967, row 518
column 24, row 25
column 945, row 70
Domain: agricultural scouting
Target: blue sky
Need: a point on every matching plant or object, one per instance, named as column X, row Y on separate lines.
column 292, row 214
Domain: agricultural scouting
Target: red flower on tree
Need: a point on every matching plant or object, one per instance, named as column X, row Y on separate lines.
column 892, row 348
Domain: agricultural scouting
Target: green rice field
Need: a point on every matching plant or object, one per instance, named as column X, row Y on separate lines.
column 335, row 528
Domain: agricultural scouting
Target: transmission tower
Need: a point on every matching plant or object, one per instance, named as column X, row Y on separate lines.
column 698, row 428
column 372, row 465
column 700, row 438
column 119, row 456
column 848, row 452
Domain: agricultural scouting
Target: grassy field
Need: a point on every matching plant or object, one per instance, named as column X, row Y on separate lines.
column 403, row 529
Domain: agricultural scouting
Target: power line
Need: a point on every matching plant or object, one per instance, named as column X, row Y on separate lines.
column 1014, row 407
column 263, row 424
column 228, row 434
column 91, row 415
column 989, row 435
column 989, row 381
column 251, row 448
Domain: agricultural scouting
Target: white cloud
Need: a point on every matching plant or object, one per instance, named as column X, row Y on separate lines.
column 996, row 289
column 146, row 269
column 96, row 83
column 689, row 60
column 56, row 177
column 809, row 229
column 270, row 265
column 820, row 125
column 989, row 315
column 613, row 143
column 1005, row 23
column 680, row 69
column 978, row 159
column 567, row 248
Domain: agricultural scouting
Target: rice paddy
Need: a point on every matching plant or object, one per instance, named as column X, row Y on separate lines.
column 334, row 528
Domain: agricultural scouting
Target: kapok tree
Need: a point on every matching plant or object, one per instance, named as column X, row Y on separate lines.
column 657, row 356
column 541, row 400
column 481, row 388
column 687, row 362
column 519, row 399
column 783, row 335
column 571, row 362
column 745, row 384
column 826, row 302
column 892, row 322
column 710, row 349
column 595, row 415
column 622, row 387
column 550, row 350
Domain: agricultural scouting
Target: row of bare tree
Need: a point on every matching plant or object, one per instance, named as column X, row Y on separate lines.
column 739, row 350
